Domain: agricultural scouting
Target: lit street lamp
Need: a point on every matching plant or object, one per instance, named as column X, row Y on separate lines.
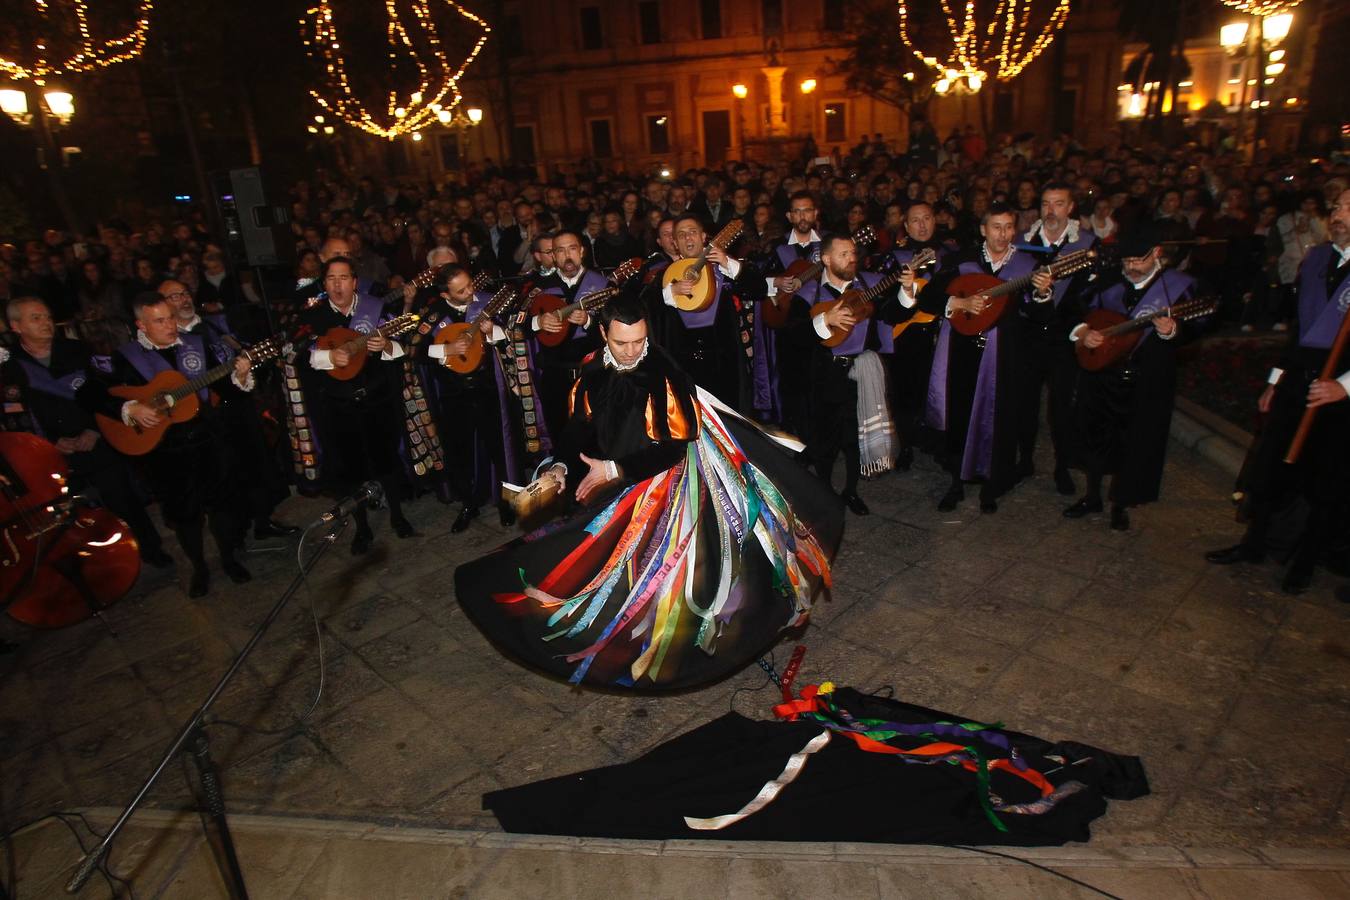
column 28, row 109
column 1244, row 42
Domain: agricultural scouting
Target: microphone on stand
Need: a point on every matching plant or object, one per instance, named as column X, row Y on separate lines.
column 369, row 493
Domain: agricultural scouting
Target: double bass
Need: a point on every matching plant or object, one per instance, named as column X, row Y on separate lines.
column 60, row 560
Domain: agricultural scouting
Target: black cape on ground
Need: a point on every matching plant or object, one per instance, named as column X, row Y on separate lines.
column 842, row 793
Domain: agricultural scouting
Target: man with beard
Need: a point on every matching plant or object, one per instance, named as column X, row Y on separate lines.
column 43, row 373
column 712, row 344
column 1124, row 412
column 571, row 281
column 970, row 395
column 843, row 375
column 1045, row 355
column 1320, row 476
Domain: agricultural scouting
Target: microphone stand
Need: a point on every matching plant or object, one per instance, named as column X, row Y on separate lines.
column 192, row 739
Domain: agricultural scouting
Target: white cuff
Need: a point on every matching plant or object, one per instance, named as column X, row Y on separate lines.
column 1344, row 381
column 534, row 324
column 1077, row 331
column 322, row 360
column 1275, row 376
column 948, row 310
column 818, row 323
column 909, row 299
column 247, row 384
column 126, row 418
column 498, row 335
column 1176, row 329
column 668, row 297
column 611, row 470
column 773, row 288
column 393, row 351
column 732, row 268
column 437, row 351
column 1037, row 298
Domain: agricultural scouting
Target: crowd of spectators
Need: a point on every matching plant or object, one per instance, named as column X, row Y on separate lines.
column 1250, row 223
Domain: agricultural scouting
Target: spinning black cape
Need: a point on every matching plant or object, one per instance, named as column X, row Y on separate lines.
column 716, row 541
column 738, row 779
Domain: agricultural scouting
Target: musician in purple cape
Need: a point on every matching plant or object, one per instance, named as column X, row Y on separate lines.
column 1124, row 412
column 474, row 420
column 849, row 412
column 696, row 542
column 42, row 375
column 360, row 420
column 192, row 472
column 1045, row 356
column 264, row 485
column 970, row 395
column 1321, row 476
column 912, row 361
column 571, row 280
column 782, row 383
column 714, row 345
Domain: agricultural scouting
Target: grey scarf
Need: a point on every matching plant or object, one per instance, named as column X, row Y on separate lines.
column 877, row 441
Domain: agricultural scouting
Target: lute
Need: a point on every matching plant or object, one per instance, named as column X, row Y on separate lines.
column 696, row 268
column 860, row 301
column 354, row 342
column 774, row 310
column 1121, row 334
column 997, row 291
column 543, row 304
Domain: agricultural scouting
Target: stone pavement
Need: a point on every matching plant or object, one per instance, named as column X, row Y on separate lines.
column 1236, row 697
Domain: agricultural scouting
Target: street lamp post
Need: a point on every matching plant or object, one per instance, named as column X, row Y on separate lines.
column 740, row 92
column 1244, row 42
column 33, row 107
column 461, row 121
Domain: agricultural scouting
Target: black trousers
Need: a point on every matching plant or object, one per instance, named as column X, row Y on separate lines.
column 1046, row 359
column 108, row 474
column 197, row 484
column 361, row 442
column 470, row 433
column 834, row 419
column 1321, row 476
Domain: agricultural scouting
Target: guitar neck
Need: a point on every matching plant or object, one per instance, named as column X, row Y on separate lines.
column 589, row 302
column 883, row 285
column 209, row 377
column 1135, row 324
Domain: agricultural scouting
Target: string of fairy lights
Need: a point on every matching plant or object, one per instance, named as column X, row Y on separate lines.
column 1262, row 8
column 999, row 49
column 92, row 53
column 437, row 92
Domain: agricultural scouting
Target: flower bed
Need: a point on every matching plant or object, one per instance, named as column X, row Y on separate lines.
column 1226, row 374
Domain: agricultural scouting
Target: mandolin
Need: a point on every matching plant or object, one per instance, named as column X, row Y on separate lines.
column 552, row 303
column 859, row 301
column 1122, row 333
column 174, row 397
column 472, row 358
column 354, row 342
column 774, row 310
column 997, row 291
column 696, row 268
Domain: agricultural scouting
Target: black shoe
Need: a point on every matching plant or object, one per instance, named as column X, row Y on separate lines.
column 955, row 494
column 1082, row 508
column 1235, row 554
column 269, row 528
column 236, row 573
column 855, row 504
column 361, row 543
column 1025, row 469
column 904, row 459
column 402, row 527
column 1120, row 519
column 1297, row 580
column 988, row 506
column 199, row 584
column 157, row 558
column 466, row 515
column 1064, row 483
column 507, row 514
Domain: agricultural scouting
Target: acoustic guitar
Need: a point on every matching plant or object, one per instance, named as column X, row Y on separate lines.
column 354, row 342
column 859, row 301
column 1123, row 335
column 552, row 303
column 174, row 397
column 472, row 358
column 997, row 291
column 774, row 310
column 696, row 267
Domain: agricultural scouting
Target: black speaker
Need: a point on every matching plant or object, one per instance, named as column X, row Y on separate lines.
column 257, row 233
